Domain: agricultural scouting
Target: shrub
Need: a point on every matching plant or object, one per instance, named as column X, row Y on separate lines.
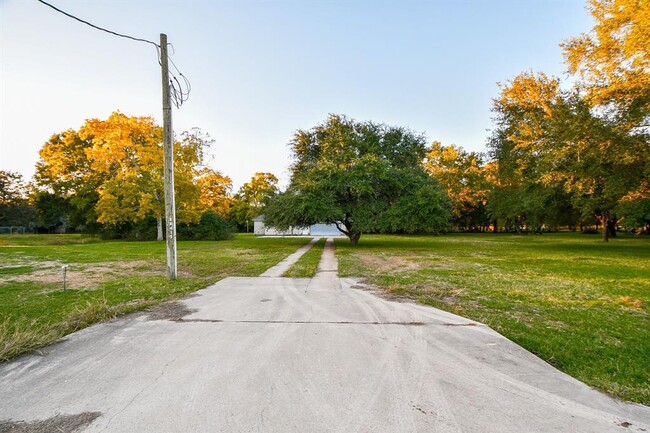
column 212, row 227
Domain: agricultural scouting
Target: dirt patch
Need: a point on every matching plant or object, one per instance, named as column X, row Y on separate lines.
column 419, row 294
column 389, row 263
column 86, row 275
column 59, row 423
column 630, row 302
column 401, row 263
column 384, row 293
column 174, row 311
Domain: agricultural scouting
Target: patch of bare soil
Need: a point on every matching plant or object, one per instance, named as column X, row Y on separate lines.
column 447, row 295
column 86, row 275
column 389, row 263
column 173, row 311
column 59, row 423
column 380, row 292
column 400, row 263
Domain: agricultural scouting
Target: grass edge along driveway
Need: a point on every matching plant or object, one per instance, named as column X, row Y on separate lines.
column 580, row 304
column 109, row 278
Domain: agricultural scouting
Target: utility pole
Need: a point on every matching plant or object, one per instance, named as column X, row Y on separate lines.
column 168, row 148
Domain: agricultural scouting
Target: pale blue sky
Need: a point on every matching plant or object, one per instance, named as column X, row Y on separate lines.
column 260, row 69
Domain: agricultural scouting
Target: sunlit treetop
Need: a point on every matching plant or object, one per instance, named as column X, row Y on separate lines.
column 613, row 60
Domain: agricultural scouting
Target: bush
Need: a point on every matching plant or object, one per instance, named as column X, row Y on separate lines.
column 212, row 227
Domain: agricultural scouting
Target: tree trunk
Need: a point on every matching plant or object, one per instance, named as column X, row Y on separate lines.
column 354, row 238
column 603, row 223
column 611, row 227
column 160, row 228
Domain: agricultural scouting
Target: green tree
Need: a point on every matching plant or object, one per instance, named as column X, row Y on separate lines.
column 363, row 177
column 635, row 208
column 52, row 210
column 15, row 209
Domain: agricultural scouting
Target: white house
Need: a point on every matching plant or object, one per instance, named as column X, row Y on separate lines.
column 314, row 230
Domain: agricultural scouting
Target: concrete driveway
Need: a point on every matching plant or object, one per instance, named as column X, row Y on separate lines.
column 272, row 354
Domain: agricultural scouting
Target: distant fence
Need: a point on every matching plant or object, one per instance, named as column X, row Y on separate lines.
column 11, row 230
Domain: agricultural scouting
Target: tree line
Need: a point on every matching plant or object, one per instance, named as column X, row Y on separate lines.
column 561, row 154
column 107, row 177
column 570, row 154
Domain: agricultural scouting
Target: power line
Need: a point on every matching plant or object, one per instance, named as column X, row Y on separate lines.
column 179, row 89
column 180, row 92
column 97, row 27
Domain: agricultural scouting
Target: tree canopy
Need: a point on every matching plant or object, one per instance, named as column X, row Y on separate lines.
column 14, row 207
column 613, row 60
column 252, row 197
column 111, row 172
column 362, row 177
column 465, row 180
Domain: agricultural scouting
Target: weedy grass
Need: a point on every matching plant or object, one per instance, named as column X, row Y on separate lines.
column 578, row 303
column 307, row 265
column 108, row 278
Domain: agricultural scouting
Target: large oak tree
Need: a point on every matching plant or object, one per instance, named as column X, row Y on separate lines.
column 363, row 177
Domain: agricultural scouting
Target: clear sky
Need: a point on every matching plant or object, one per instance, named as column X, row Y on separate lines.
column 261, row 69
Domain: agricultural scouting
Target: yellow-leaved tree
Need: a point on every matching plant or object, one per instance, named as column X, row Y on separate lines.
column 215, row 191
column 613, row 60
column 462, row 175
column 119, row 163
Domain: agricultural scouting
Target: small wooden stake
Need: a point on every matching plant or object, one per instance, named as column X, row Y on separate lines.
column 65, row 270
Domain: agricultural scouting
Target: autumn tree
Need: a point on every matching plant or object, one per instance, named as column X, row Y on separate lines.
column 462, row 175
column 64, row 171
column 362, row 177
column 215, row 191
column 113, row 170
column 613, row 65
column 551, row 141
column 613, row 61
column 252, row 197
column 522, row 149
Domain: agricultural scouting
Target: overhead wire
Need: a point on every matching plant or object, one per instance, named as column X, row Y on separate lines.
column 97, row 27
column 179, row 91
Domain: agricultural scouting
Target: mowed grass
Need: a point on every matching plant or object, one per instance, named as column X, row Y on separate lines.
column 578, row 303
column 307, row 265
column 106, row 279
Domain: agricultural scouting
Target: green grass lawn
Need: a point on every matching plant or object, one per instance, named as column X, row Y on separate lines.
column 307, row 265
column 580, row 304
column 106, row 279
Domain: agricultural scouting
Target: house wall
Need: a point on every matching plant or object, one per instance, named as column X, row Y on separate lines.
column 293, row 231
column 259, row 228
column 324, row 230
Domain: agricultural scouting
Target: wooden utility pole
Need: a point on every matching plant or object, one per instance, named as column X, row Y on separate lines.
column 168, row 148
